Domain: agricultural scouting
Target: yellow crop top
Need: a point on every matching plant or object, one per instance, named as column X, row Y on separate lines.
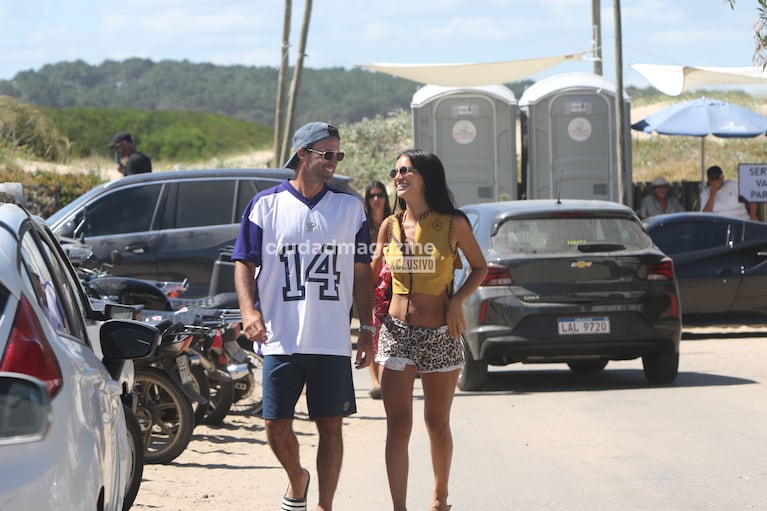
column 426, row 265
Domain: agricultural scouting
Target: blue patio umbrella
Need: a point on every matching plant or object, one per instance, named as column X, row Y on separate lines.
column 702, row 117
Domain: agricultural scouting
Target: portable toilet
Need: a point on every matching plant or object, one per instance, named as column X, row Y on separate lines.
column 473, row 131
column 569, row 139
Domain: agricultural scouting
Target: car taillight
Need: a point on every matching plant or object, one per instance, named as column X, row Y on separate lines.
column 664, row 270
column 497, row 275
column 28, row 351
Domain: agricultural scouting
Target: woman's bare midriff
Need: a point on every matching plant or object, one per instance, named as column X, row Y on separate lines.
column 430, row 310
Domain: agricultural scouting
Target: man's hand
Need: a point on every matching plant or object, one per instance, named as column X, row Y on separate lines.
column 364, row 350
column 253, row 326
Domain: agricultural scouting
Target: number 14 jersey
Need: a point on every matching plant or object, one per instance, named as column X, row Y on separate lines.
column 305, row 251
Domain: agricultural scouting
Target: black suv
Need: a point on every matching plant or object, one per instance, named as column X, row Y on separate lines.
column 168, row 226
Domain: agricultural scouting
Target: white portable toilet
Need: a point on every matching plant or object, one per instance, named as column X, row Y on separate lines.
column 473, row 131
column 569, row 139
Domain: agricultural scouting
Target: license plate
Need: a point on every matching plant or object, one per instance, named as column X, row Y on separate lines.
column 581, row 326
column 183, row 369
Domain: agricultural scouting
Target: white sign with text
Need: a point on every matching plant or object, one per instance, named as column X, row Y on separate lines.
column 752, row 181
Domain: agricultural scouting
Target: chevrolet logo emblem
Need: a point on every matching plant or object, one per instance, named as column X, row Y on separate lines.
column 580, row 264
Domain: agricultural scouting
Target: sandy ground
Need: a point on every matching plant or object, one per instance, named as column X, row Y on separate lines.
column 231, row 467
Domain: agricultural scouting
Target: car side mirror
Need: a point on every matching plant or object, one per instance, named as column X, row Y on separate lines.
column 67, row 230
column 25, row 409
column 123, row 339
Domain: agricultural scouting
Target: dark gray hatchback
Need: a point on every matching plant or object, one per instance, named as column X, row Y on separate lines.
column 571, row 281
column 168, row 226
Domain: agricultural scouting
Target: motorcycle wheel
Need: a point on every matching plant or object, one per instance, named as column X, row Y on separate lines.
column 165, row 415
column 248, row 391
column 219, row 402
column 202, row 386
column 136, row 454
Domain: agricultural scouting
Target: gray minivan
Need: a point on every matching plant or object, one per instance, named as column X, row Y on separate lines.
column 168, row 226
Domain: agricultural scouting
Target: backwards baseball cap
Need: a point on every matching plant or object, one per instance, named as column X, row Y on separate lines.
column 120, row 136
column 660, row 181
column 307, row 135
column 714, row 172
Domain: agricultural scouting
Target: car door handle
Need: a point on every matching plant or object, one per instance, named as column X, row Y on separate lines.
column 136, row 248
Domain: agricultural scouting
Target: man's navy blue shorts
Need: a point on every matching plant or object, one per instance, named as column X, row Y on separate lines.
column 328, row 379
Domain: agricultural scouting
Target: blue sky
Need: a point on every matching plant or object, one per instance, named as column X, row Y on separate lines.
column 348, row 32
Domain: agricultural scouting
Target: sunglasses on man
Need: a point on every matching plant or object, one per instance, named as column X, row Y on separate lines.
column 328, row 155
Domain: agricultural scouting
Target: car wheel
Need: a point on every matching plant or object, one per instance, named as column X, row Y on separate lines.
column 661, row 367
column 136, row 454
column 587, row 366
column 473, row 376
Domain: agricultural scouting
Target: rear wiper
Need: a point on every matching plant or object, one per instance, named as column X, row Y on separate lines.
column 600, row 247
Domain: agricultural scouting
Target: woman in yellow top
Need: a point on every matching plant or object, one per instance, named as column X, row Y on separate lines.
column 421, row 333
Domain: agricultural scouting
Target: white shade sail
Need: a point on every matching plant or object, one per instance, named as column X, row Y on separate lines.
column 471, row 75
column 674, row 80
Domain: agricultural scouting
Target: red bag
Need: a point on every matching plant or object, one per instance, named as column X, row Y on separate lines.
column 382, row 295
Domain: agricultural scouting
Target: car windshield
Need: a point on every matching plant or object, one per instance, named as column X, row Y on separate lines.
column 569, row 235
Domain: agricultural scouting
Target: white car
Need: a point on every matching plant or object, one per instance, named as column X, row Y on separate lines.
column 85, row 458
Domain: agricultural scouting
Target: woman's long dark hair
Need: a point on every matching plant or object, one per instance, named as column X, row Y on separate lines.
column 438, row 196
column 368, row 189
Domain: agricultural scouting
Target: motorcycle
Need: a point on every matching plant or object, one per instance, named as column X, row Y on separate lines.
column 165, row 390
column 224, row 374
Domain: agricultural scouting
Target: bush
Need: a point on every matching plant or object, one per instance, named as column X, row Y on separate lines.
column 47, row 192
column 27, row 131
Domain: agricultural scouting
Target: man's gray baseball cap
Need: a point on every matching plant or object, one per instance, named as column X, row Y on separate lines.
column 307, row 135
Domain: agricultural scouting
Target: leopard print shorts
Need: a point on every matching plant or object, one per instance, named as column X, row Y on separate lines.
column 428, row 349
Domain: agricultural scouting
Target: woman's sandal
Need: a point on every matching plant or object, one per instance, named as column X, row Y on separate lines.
column 439, row 506
column 289, row 504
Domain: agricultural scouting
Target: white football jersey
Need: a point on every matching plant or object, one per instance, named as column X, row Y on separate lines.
column 305, row 251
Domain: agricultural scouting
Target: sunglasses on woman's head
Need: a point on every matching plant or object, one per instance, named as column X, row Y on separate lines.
column 401, row 171
column 328, row 155
column 379, row 195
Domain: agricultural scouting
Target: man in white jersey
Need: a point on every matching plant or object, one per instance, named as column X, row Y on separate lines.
column 311, row 244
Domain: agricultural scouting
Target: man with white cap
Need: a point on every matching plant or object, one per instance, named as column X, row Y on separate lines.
column 311, row 244
column 660, row 201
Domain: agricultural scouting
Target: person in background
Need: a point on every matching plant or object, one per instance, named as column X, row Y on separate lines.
column 422, row 331
column 721, row 197
column 660, row 201
column 377, row 208
column 311, row 243
column 129, row 160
